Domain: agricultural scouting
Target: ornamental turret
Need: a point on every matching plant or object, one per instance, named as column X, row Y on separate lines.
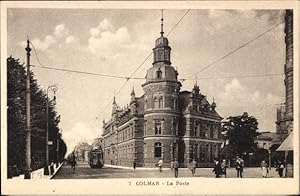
column 162, row 50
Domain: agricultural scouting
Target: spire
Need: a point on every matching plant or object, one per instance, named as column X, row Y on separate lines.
column 213, row 104
column 162, row 23
column 132, row 92
column 114, row 101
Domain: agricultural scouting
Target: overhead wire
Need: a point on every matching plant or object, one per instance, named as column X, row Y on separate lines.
column 236, row 49
column 146, row 59
column 140, row 65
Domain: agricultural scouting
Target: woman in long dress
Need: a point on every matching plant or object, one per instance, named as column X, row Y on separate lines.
column 264, row 168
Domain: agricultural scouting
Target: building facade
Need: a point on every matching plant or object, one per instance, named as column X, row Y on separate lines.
column 165, row 123
column 284, row 123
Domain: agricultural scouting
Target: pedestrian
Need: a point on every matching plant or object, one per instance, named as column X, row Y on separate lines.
column 176, row 166
column 224, row 167
column 239, row 166
column 73, row 161
column 134, row 164
column 160, row 164
column 172, row 165
column 280, row 168
column 217, row 168
column 264, row 168
column 193, row 166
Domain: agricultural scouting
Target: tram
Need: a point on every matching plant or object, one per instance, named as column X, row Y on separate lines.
column 96, row 158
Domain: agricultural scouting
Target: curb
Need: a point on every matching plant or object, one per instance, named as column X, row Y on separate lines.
column 140, row 168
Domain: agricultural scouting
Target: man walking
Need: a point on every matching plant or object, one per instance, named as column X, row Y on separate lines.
column 176, row 166
column 193, row 166
column 217, row 169
column 239, row 166
column 160, row 164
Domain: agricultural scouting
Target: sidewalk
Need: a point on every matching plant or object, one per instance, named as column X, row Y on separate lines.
column 144, row 168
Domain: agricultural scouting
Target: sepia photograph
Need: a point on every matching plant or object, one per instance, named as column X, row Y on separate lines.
column 149, row 97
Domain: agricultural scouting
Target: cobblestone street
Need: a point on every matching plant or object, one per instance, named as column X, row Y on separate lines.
column 83, row 171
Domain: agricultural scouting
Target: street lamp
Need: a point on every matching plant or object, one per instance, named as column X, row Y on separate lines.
column 269, row 159
column 54, row 89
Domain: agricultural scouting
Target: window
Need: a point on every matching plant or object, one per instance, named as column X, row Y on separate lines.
column 174, row 127
column 160, row 102
column 196, row 151
column 167, row 55
column 145, row 127
column 211, row 131
column 158, row 73
column 174, row 104
column 145, row 106
column 195, row 128
column 157, row 126
column 202, row 132
column 157, row 149
column 155, row 102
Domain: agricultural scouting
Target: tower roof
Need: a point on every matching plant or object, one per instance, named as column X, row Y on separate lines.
column 161, row 41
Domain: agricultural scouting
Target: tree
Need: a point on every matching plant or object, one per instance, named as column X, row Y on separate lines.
column 239, row 133
column 16, row 114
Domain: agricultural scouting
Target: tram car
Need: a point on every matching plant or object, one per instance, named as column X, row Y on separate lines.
column 96, row 158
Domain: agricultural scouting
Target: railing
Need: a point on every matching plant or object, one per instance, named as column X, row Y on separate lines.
column 39, row 174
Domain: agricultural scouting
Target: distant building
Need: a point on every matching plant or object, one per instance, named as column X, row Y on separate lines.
column 266, row 139
column 164, row 123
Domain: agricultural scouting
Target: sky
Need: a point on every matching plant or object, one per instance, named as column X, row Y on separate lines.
column 116, row 42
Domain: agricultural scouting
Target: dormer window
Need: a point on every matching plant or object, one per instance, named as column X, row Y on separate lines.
column 158, row 73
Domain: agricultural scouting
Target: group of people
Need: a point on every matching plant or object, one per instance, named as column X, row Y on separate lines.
column 220, row 167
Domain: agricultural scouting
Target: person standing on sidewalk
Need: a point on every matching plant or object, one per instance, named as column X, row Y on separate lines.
column 239, row 166
column 224, row 167
column 280, row 168
column 217, row 169
column 160, row 164
column 73, row 162
column 193, row 166
column 264, row 169
column 134, row 164
column 176, row 166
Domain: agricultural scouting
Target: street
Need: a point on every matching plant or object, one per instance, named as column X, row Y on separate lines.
column 83, row 171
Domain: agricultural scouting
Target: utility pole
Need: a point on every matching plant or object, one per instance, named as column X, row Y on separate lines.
column 27, row 169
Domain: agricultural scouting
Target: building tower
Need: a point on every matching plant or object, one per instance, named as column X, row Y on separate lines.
column 161, row 111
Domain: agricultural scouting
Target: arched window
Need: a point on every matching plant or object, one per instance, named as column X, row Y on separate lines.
column 157, row 125
column 155, row 102
column 160, row 102
column 157, row 149
column 158, row 73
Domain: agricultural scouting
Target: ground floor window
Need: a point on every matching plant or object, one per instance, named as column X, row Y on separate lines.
column 157, row 149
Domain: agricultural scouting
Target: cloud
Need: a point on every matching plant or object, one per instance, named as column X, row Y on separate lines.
column 70, row 39
column 107, row 42
column 237, row 98
column 61, row 31
column 59, row 34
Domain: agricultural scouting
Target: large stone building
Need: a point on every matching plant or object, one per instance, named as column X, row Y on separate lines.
column 164, row 123
column 284, row 123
